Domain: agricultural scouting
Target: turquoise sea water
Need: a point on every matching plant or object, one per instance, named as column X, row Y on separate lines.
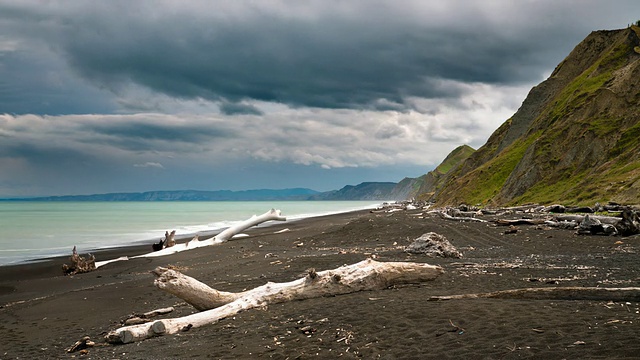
column 34, row 230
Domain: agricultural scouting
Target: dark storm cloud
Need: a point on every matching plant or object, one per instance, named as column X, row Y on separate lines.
column 158, row 131
column 37, row 81
column 320, row 54
column 299, row 66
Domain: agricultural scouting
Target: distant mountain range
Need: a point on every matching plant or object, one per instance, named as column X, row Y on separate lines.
column 363, row 191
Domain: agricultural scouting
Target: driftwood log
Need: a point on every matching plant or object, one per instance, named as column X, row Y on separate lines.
column 81, row 265
column 554, row 293
column 365, row 275
column 458, row 218
column 507, row 222
column 611, row 220
column 222, row 237
column 78, row 264
column 595, row 227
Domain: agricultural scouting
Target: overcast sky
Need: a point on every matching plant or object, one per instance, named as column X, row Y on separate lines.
column 124, row 96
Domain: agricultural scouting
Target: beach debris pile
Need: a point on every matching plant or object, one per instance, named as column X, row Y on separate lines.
column 622, row 220
column 79, row 264
column 168, row 241
column 432, row 244
column 611, row 219
column 589, row 226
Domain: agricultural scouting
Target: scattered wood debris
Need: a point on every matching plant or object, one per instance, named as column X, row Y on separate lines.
column 585, row 220
column 146, row 317
column 81, row 344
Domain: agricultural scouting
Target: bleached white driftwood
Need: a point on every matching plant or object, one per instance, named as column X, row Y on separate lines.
column 224, row 236
column 195, row 293
column 199, row 295
column 365, row 275
column 194, row 243
column 554, row 293
column 105, row 262
column 228, row 233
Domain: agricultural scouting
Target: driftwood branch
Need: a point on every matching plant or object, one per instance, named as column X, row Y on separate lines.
column 365, row 275
column 227, row 234
column 224, row 236
column 78, row 264
column 554, row 293
column 507, row 222
column 458, row 218
column 169, row 246
column 143, row 318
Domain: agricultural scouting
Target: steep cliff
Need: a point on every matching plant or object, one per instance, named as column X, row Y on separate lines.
column 575, row 139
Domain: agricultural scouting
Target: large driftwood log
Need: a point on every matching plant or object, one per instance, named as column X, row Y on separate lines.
column 554, row 293
column 162, row 248
column 192, row 291
column 365, row 275
column 203, row 297
column 228, row 233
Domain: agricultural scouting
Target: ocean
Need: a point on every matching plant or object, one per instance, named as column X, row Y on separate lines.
column 37, row 230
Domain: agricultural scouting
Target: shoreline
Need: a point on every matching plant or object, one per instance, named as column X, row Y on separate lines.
column 150, row 239
column 46, row 263
column 42, row 312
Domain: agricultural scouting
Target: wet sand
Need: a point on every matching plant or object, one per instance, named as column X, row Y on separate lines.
column 42, row 312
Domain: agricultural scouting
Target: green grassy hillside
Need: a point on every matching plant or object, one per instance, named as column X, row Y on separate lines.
column 574, row 140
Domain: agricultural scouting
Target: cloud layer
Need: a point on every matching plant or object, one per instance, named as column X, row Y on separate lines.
column 105, row 93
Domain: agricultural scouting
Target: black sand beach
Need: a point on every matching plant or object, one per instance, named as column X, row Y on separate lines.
column 42, row 312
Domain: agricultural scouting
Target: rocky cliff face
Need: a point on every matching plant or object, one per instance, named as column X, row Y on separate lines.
column 575, row 139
